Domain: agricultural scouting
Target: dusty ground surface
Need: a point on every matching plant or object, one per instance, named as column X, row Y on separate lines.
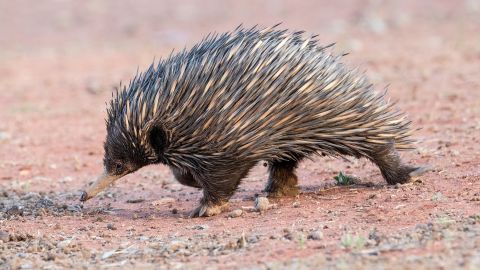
column 60, row 60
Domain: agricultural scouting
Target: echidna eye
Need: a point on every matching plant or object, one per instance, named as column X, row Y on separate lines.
column 118, row 167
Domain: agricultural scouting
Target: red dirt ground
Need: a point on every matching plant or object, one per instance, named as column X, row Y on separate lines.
column 59, row 62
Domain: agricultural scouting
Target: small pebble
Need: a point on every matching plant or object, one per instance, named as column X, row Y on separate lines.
column 288, row 234
column 235, row 213
column 200, row 227
column 296, row 204
column 176, row 245
column 163, row 201
column 316, row 235
column 49, row 256
column 74, row 208
column 111, row 226
column 24, row 172
column 174, row 187
column 64, row 244
column 253, row 239
column 135, row 200
column 4, row 236
column 261, row 204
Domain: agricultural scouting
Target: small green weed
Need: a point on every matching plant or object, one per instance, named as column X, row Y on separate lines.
column 344, row 180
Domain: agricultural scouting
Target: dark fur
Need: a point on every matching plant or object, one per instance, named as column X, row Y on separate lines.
column 211, row 113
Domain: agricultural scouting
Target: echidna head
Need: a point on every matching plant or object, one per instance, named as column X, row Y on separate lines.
column 127, row 149
column 126, row 152
column 122, row 155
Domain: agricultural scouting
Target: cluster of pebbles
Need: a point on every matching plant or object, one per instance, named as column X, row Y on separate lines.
column 14, row 205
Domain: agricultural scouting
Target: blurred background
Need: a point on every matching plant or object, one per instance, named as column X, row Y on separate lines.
column 55, row 27
column 68, row 26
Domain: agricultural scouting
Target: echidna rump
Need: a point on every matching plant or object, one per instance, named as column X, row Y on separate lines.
column 212, row 112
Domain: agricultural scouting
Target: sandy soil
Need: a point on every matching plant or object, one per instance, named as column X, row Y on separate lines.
column 60, row 60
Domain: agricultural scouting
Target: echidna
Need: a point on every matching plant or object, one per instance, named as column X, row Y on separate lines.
column 212, row 112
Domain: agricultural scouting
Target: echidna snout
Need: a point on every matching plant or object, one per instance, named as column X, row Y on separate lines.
column 102, row 182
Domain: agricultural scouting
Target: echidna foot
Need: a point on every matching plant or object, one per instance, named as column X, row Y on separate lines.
column 405, row 174
column 209, row 209
column 419, row 171
column 285, row 191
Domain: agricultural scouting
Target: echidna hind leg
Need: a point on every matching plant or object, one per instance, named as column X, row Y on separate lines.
column 392, row 168
column 282, row 180
column 185, row 178
column 217, row 190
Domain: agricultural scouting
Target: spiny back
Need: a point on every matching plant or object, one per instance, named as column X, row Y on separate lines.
column 261, row 94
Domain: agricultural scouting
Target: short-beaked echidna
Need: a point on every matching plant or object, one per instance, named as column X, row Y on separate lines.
column 212, row 112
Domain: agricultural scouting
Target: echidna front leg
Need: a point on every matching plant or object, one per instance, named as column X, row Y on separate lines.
column 392, row 168
column 282, row 180
column 217, row 190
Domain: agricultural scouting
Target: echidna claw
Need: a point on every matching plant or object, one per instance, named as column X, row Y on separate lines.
column 206, row 210
column 202, row 210
column 419, row 171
